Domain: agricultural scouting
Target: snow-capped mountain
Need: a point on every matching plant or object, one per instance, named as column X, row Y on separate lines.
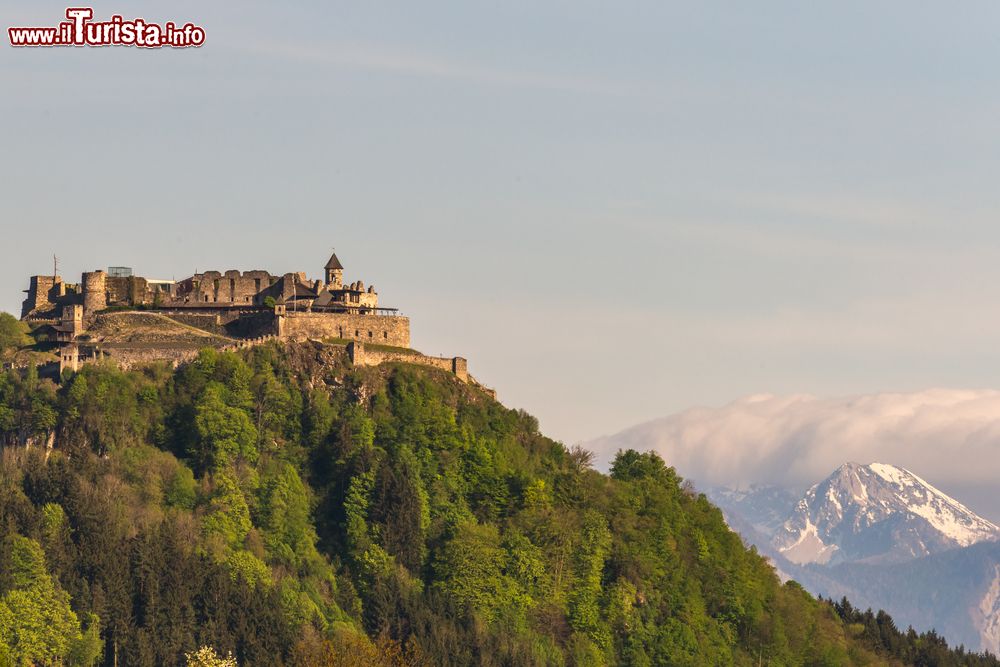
column 884, row 538
column 876, row 513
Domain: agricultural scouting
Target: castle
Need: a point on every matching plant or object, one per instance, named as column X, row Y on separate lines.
column 301, row 308
column 131, row 319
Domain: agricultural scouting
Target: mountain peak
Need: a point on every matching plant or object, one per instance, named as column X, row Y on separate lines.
column 874, row 512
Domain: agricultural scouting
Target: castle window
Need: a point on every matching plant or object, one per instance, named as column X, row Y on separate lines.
column 369, row 334
column 206, row 297
column 357, row 334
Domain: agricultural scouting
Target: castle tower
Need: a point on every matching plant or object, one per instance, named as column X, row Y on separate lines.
column 95, row 292
column 69, row 358
column 42, row 291
column 334, row 273
column 72, row 320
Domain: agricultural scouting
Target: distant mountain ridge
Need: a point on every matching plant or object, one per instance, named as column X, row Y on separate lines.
column 763, row 507
column 877, row 512
column 955, row 592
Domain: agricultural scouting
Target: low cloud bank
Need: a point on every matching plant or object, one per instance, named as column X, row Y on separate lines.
column 949, row 437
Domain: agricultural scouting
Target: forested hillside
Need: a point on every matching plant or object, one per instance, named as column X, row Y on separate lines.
column 283, row 507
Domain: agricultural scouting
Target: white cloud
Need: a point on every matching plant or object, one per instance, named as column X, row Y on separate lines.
column 950, row 437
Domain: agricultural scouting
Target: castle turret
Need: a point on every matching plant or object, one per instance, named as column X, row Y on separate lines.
column 334, row 272
column 95, row 292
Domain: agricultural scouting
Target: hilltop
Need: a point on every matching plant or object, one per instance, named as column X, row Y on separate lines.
column 130, row 320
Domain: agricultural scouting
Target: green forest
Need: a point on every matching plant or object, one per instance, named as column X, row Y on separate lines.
column 278, row 507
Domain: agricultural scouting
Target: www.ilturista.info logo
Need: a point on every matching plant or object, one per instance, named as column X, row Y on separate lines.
column 79, row 30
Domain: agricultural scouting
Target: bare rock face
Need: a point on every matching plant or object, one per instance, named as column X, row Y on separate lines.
column 986, row 615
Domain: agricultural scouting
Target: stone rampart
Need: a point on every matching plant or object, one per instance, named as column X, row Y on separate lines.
column 369, row 355
column 380, row 329
column 133, row 357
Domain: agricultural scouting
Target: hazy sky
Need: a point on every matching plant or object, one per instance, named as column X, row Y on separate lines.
column 615, row 210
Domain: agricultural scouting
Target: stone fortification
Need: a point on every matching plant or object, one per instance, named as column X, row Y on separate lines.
column 133, row 320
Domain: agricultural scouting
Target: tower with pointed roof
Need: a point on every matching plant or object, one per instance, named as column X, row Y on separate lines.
column 334, row 272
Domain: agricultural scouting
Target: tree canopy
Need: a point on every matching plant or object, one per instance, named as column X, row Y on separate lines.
column 278, row 507
column 13, row 334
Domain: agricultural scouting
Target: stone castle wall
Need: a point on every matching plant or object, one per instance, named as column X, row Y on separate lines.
column 128, row 358
column 38, row 294
column 367, row 355
column 381, row 329
column 128, row 291
column 44, row 294
column 231, row 287
column 250, row 324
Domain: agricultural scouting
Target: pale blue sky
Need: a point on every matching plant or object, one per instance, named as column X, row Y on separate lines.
column 615, row 210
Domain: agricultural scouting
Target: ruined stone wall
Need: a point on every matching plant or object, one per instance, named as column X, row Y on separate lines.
column 133, row 357
column 138, row 291
column 39, row 291
column 47, row 296
column 96, row 291
column 118, row 291
column 249, row 343
column 231, row 287
column 238, row 288
column 367, row 355
column 382, row 329
column 127, row 291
